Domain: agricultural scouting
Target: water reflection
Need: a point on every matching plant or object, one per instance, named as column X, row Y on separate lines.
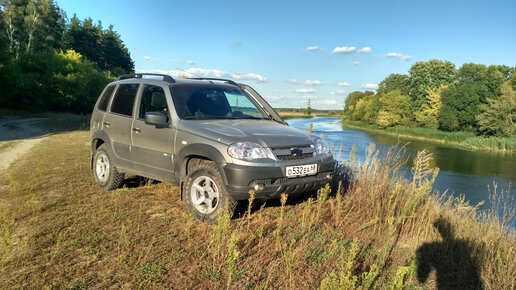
column 462, row 172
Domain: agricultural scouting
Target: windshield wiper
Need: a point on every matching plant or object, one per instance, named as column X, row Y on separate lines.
column 247, row 117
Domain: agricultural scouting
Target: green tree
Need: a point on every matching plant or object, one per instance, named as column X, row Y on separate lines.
column 32, row 25
column 427, row 115
column 498, row 117
column 395, row 109
column 352, row 99
column 78, row 82
column 44, row 24
column 461, row 101
column 429, row 75
column 4, row 48
column 506, row 71
column 308, row 111
column 84, row 38
column 103, row 47
column 395, row 82
column 115, row 55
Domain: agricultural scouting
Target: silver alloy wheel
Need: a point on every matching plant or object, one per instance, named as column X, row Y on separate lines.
column 102, row 167
column 204, row 194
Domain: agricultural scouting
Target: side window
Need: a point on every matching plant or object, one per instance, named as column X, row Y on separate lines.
column 104, row 99
column 153, row 100
column 123, row 101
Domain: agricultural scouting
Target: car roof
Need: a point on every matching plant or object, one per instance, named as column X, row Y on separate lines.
column 160, row 79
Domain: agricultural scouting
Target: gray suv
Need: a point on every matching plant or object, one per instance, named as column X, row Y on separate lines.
column 215, row 139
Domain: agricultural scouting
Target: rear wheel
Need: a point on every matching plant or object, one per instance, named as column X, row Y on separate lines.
column 106, row 175
column 204, row 193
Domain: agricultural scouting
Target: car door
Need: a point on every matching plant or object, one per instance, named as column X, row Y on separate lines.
column 118, row 123
column 152, row 146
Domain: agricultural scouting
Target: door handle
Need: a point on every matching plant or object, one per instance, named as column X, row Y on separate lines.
column 137, row 130
column 107, row 124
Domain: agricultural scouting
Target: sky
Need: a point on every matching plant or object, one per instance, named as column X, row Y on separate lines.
column 293, row 52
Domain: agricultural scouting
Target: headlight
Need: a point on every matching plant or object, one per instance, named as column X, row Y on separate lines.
column 246, row 151
column 321, row 146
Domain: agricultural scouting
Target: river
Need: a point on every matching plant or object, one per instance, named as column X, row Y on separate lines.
column 461, row 172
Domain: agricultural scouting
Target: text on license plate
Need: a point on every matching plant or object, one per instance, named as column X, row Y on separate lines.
column 301, row 170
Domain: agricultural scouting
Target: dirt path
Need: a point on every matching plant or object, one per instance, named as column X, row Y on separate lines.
column 18, row 137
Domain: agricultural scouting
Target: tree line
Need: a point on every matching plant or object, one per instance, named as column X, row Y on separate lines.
column 48, row 62
column 436, row 95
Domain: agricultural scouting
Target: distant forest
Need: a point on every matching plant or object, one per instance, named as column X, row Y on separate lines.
column 48, row 62
column 434, row 94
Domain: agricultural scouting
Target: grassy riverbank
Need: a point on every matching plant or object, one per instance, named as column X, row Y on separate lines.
column 290, row 114
column 466, row 140
column 58, row 230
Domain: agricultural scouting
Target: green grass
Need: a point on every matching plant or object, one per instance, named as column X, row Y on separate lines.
column 59, row 230
column 466, row 140
column 286, row 115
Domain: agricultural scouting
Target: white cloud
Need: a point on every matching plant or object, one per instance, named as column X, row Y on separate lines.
column 305, row 91
column 212, row 73
column 275, row 90
column 190, row 62
column 399, row 55
column 344, row 49
column 356, row 63
column 339, row 92
column 308, row 97
column 406, row 57
column 369, row 86
column 292, row 81
column 274, row 98
column 394, row 54
column 343, row 84
column 366, row 49
column 312, row 83
column 314, row 48
column 148, row 59
column 326, row 102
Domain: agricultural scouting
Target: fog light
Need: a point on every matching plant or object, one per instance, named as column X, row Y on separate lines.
column 328, row 176
column 258, row 187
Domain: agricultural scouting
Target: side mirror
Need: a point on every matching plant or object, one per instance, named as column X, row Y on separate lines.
column 156, row 119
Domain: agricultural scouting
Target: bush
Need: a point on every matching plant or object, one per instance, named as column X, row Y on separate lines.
column 63, row 81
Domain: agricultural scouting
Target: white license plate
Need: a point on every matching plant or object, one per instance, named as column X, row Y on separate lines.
column 301, row 170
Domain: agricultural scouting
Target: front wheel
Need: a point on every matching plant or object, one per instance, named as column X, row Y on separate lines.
column 205, row 195
column 106, row 175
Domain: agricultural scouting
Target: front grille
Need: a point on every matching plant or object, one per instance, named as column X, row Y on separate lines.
column 295, row 157
column 288, row 147
column 294, row 152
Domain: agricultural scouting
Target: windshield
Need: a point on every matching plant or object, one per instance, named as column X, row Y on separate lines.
column 193, row 101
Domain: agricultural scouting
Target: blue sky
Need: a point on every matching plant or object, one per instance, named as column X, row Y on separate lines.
column 290, row 51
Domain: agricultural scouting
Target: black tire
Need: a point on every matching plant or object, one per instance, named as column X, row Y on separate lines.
column 106, row 175
column 204, row 193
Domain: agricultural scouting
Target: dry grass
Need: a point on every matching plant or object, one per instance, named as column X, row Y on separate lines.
column 4, row 145
column 375, row 230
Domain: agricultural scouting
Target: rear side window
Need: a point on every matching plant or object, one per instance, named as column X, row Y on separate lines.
column 104, row 99
column 123, row 102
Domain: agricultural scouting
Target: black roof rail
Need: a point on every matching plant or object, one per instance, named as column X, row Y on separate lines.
column 215, row 79
column 166, row 78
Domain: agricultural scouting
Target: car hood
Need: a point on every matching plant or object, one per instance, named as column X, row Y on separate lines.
column 264, row 132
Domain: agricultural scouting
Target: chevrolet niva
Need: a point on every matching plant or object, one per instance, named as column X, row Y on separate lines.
column 214, row 138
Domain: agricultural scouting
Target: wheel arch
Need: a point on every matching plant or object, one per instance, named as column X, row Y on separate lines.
column 97, row 139
column 194, row 152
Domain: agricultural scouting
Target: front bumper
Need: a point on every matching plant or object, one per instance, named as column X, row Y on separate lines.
column 240, row 179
